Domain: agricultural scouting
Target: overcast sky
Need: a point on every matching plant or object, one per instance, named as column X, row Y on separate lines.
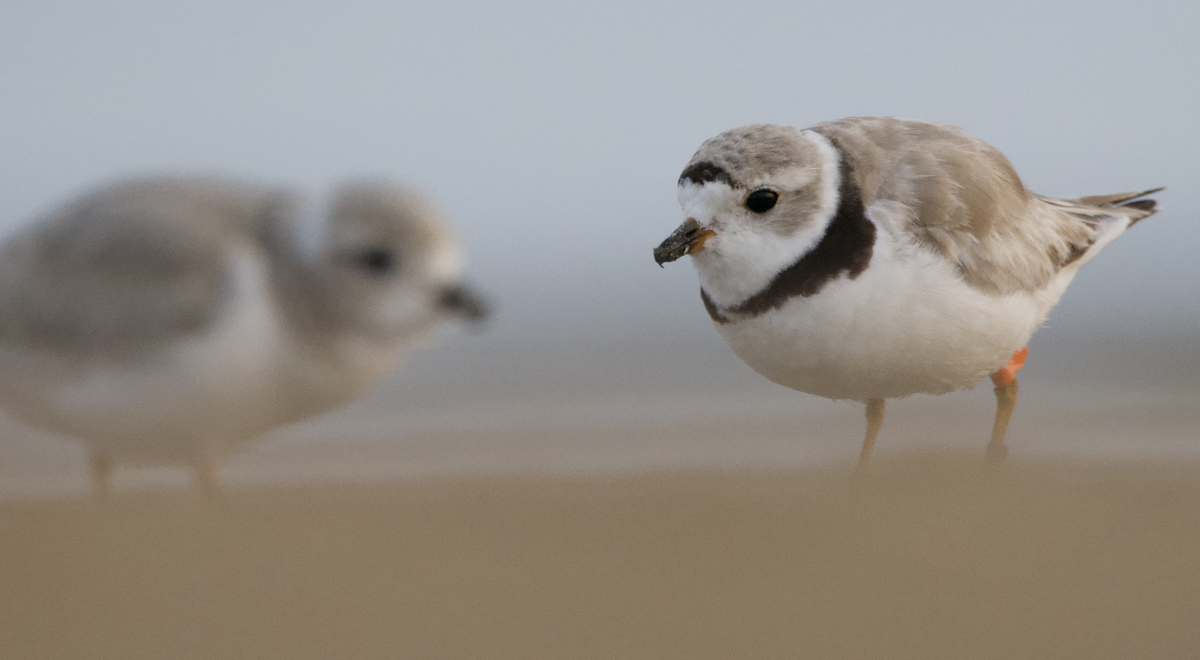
column 554, row 133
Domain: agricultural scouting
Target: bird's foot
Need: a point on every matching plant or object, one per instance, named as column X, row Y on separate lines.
column 995, row 454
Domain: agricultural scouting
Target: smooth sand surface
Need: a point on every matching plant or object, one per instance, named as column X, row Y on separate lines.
column 926, row 556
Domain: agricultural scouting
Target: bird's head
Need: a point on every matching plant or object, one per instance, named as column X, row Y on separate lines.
column 389, row 261
column 756, row 199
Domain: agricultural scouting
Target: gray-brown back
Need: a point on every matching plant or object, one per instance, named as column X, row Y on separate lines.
column 125, row 269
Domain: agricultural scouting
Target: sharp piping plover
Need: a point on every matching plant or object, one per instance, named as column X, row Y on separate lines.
column 177, row 319
column 870, row 258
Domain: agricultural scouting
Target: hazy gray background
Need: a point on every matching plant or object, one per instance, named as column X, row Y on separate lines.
column 554, row 135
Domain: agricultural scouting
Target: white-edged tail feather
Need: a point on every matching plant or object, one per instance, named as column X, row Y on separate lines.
column 1108, row 216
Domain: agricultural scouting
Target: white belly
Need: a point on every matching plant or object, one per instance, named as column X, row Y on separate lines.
column 197, row 399
column 191, row 400
column 900, row 328
column 201, row 397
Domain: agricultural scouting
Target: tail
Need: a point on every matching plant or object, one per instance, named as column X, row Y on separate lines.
column 1131, row 205
column 1107, row 216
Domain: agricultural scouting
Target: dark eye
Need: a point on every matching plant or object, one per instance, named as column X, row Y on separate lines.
column 376, row 260
column 761, row 201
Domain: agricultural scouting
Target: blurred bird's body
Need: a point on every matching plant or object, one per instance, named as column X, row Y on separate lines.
column 874, row 258
column 175, row 320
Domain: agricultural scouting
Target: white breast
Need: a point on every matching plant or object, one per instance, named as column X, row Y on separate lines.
column 908, row 324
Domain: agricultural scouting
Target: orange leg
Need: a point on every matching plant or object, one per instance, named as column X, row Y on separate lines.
column 874, row 423
column 1005, row 381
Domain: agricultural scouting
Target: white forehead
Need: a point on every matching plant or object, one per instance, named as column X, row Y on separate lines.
column 710, row 198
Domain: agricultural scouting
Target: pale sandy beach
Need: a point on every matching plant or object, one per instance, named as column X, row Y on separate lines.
column 928, row 556
column 636, row 501
column 642, row 513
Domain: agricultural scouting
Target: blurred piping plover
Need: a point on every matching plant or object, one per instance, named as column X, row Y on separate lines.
column 173, row 320
column 869, row 258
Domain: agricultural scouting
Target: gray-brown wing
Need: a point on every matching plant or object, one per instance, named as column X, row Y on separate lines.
column 123, row 270
column 962, row 199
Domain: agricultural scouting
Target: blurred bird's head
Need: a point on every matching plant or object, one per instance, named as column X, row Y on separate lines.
column 387, row 261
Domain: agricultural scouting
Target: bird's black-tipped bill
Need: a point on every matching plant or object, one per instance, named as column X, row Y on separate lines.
column 461, row 301
column 688, row 238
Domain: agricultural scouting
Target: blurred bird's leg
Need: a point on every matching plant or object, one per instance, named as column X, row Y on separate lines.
column 874, row 423
column 1006, row 400
column 102, row 469
column 1005, row 381
column 208, row 476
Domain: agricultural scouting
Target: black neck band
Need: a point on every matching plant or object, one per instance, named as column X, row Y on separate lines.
column 846, row 248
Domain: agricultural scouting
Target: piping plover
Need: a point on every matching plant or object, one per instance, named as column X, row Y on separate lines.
column 870, row 258
column 174, row 320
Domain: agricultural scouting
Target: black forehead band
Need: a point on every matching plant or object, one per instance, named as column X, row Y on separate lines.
column 705, row 171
